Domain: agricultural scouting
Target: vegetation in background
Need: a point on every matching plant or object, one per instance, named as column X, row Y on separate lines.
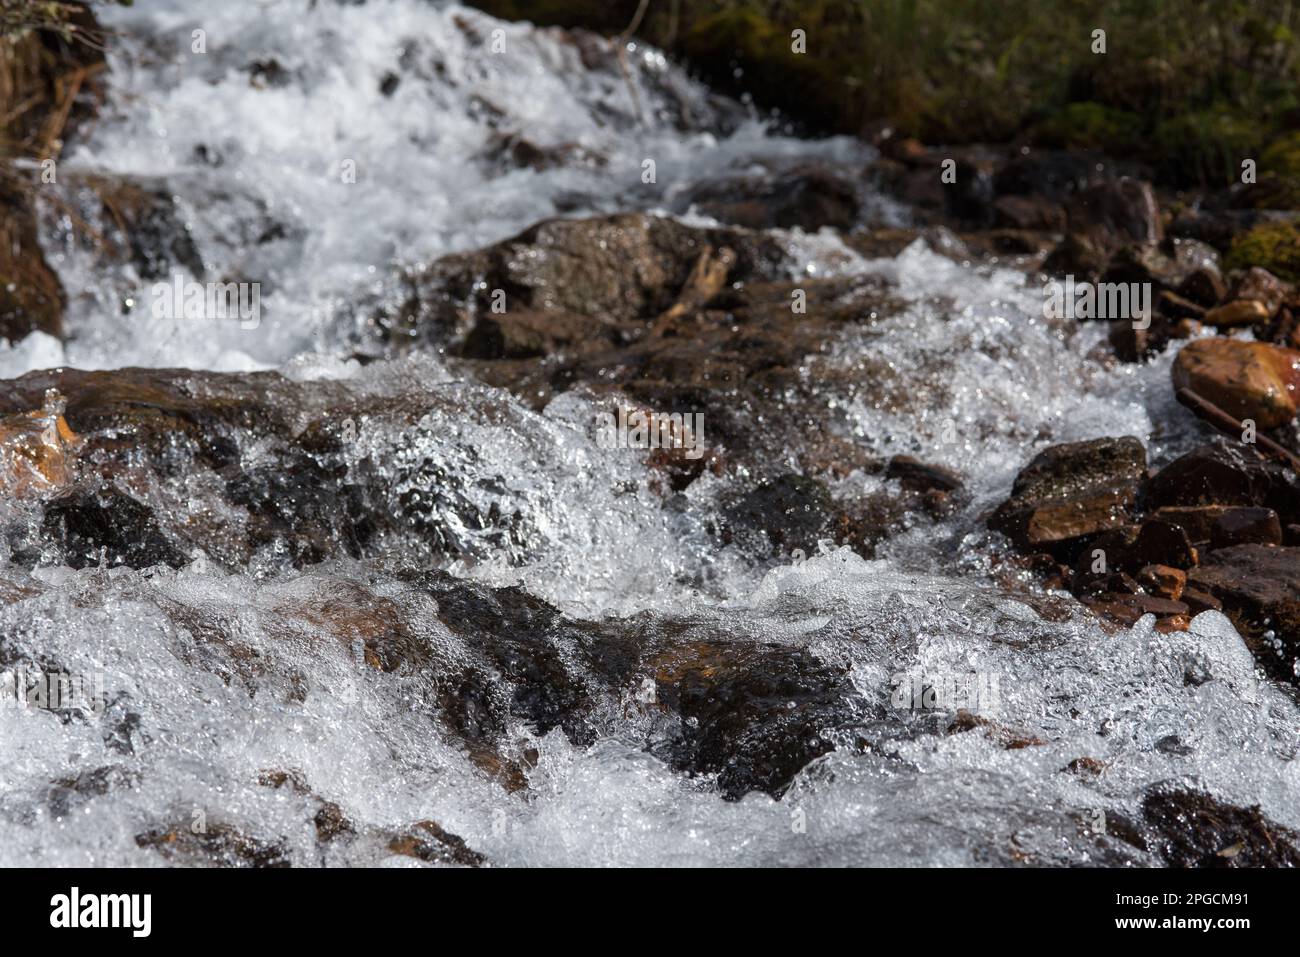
column 1274, row 246
column 1189, row 86
column 51, row 53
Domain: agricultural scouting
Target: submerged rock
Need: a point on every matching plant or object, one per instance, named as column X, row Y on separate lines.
column 1193, row 829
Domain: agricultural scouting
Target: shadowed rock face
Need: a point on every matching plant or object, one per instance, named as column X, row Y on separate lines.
column 753, row 714
column 31, row 296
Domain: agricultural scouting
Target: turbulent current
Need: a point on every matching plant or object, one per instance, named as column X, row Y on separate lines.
column 324, row 150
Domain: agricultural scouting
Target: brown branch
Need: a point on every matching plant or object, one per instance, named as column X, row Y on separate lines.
column 1211, row 413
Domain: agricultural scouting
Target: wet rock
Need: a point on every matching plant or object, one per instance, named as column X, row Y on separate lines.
column 31, row 296
column 37, row 450
column 1005, row 737
column 90, row 525
column 1204, row 286
column 806, row 197
column 1259, row 586
column 1080, row 255
column 1198, row 601
column 1086, row 765
column 1127, row 609
column 1245, row 526
column 1034, row 213
column 1123, row 209
column 1173, row 623
column 1159, row 542
column 1163, row 581
column 1175, row 306
column 329, row 820
column 66, row 794
column 516, row 151
column 1166, row 265
column 1239, row 312
column 1223, row 525
column 526, row 335
column 620, row 269
column 1072, row 491
column 1056, row 174
column 1193, row 829
column 1223, row 472
column 1262, row 287
column 791, row 512
column 428, row 841
column 213, row 845
column 1248, row 380
column 920, row 477
column 752, row 713
column 520, row 636
column 142, row 224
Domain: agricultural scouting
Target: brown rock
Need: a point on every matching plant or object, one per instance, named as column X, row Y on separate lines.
column 37, row 450
column 1161, row 543
column 1239, row 312
column 428, row 841
column 1086, row 765
column 918, row 476
column 1163, row 581
column 1172, row 623
column 1259, row 586
column 1128, row 609
column 808, row 197
column 1248, row 380
column 1123, row 209
column 1198, row 601
column 31, row 296
column 1224, row 472
column 1073, row 490
column 1204, row 286
column 1260, row 285
column 1244, row 526
column 1176, row 307
column 1037, row 213
column 528, row 334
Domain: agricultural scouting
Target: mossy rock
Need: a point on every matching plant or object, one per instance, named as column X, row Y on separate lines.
column 1273, row 246
column 1279, row 175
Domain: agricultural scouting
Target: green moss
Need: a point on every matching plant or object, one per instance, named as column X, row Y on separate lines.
column 1274, row 246
column 1279, row 174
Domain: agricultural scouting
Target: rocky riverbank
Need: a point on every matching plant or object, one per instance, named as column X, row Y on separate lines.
column 939, row 574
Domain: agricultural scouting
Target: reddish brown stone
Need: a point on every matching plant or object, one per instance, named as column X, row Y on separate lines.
column 1248, row 380
column 1163, row 581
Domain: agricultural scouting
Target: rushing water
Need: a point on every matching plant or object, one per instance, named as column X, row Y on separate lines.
column 978, row 380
